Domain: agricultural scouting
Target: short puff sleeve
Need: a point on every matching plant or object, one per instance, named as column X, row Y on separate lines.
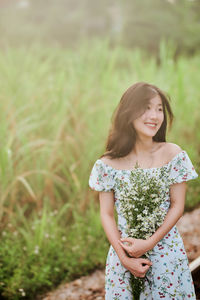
column 181, row 169
column 101, row 177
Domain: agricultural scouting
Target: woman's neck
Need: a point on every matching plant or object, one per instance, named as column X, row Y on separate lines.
column 145, row 146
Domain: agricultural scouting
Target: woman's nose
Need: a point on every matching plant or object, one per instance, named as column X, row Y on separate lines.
column 153, row 114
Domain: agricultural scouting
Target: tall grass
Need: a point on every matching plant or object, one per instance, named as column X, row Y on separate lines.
column 56, row 108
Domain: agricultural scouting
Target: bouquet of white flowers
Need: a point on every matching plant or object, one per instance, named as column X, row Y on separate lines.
column 140, row 204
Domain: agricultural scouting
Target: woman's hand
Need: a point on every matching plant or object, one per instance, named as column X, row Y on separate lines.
column 136, row 247
column 137, row 266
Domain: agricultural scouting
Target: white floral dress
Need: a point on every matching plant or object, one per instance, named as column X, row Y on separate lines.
column 169, row 277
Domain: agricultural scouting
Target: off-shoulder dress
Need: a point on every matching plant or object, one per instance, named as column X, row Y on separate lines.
column 169, row 277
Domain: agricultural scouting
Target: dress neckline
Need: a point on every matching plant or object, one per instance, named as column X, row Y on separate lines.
column 165, row 165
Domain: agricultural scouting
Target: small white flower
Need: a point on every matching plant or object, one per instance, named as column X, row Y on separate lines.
column 75, row 248
column 139, row 217
column 9, row 152
column 22, row 292
column 153, row 195
column 36, row 251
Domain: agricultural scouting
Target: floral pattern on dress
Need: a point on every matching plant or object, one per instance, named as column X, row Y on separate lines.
column 101, row 178
column 169, row 277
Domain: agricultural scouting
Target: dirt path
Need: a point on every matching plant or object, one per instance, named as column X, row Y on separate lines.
column 92, row 287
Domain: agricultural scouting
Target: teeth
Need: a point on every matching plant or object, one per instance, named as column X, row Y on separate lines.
column 152, row 125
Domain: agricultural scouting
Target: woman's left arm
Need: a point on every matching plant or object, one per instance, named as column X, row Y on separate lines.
column 138, row 247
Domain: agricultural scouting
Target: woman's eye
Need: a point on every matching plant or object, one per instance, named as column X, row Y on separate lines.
column 160, row 109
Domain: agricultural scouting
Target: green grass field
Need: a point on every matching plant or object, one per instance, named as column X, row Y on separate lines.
column 56, row 108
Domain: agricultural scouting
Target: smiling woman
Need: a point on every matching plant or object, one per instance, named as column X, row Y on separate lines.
column 151, row 120
column 151, row 196
column 135, row 105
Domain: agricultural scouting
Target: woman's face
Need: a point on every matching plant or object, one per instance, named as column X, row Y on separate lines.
column 151, row 120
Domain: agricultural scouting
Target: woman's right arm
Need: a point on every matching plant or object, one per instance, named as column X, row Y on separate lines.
column 134, row 265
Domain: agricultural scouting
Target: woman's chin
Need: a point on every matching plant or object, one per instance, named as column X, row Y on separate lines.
column 147, row 135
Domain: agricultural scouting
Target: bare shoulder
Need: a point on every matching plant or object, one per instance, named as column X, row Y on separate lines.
column 112, row 162
column 172, row 150
column 106, row 159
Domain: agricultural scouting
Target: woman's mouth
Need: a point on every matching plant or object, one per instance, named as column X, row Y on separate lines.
column 151, row 125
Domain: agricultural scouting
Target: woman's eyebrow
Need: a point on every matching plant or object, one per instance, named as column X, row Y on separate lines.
column 159, row 104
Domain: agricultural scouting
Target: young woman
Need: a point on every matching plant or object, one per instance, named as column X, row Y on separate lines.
column 138, row 136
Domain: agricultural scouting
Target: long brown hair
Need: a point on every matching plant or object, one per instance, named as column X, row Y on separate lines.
column 122, row 135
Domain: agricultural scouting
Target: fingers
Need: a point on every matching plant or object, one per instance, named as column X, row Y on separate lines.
column 146, row 261
column 140, row 275
column 128, row 239
column 143, row 273
column 125, row 247
column 136, row 267
column 146, row 268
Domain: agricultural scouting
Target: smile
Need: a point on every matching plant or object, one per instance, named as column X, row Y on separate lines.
column 152, row 125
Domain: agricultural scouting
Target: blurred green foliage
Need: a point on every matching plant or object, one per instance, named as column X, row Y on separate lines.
column 135, row 23
column 147, row 22
column 56, row 108
column 38, row 254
